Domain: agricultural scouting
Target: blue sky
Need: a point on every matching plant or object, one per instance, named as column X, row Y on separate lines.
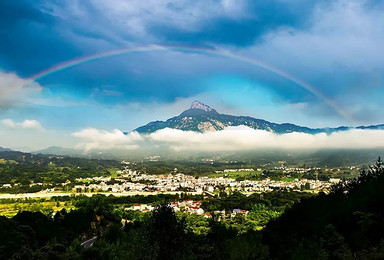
column 337, row 47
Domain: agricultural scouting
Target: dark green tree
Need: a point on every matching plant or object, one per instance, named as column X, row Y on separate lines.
column 167, row 232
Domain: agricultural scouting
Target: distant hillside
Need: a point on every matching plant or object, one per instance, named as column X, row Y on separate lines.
column 56, row 150
column 322, row 158
column 63, row 161
column 202, row 118
column 2, row 149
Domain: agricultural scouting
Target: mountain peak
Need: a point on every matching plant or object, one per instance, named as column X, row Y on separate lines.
column 199, row 105
column 200, row 118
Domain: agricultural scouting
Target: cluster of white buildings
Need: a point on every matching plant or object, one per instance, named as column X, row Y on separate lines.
column 188, row 206
column 286, row 169
column 132, row 181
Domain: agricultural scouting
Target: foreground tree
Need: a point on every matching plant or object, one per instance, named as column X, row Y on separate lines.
column 348, row 221
column 167, row 232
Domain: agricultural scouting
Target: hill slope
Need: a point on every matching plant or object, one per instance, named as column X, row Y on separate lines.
column 2, row 149
column 346, row 224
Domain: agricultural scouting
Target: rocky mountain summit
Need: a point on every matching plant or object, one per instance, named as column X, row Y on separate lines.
column 201, row 118
column 199, row 105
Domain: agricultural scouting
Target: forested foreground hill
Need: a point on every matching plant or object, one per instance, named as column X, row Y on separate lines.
column 348, row 223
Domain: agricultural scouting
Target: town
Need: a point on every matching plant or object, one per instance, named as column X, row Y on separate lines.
column 133, row 181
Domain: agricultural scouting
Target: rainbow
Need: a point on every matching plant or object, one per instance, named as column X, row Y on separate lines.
column 218, row 52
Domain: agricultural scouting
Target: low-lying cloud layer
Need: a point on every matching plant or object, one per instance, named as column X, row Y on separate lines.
column 230, row 139
column 26, row 124
column 103, row 140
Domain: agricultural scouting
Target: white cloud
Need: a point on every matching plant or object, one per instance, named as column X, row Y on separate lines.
column 238, row 138
column 340, row 33
column 31, row 124
column 101, row 139
column 14, row 90
column 9, row 123
column 137, row 16
column 26, row 124
column 340, row 52
column 244, row 138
